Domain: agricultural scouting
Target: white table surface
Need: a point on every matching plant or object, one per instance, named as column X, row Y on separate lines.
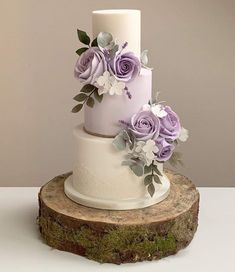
column 21, row 248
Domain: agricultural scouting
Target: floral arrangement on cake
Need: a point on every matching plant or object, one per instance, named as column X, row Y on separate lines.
column 104, row 67
column 152, row 134
column 149, row 138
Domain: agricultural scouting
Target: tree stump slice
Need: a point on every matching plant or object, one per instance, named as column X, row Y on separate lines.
column 119, row 236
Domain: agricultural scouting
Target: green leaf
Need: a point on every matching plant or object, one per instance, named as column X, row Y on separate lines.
column 177, row 155
column 113, row 51
column 98, row 97
column 157, row 179
column 180, row 162
column 127, row 138
column 80, row 97
column 151, row 189
column 175, row 159
column 137, row 169
column 175, row 142
column 83, row 37
column 128, row 163
column 155, row 169
column 128, row 156
column 148, row 179
column 90, row 102
column 81, row 50
column 119, row 142
column 144, row 57
column 104, row 39
column 88, row 88
column 77, row 108
column 94, row 42
column 147, row 169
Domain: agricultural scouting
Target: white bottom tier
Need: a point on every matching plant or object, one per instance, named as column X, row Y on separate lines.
column 100, row 181
column 112, row 204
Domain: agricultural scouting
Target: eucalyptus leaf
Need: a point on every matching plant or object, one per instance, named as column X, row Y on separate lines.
column 148, row 179
column 128, row 156
column 177, row 155
column 119, row 142
column 81, row 50
column 172, row 162
column 88, row 88
column 155, row 169
column 113, row 51
column 157, row 179
column 127, row 137
column 147, row 169
column 175, row 142
column 128, row 163
column 181, row 163
column 94, row 42
column 80, row 97
column 144, row 57
column 104, row 39
column 151, row 189
column 77, row 108
column 98, row 97
column 137, row 169
column 175, row 159
column 90, row 102
column 83, row 37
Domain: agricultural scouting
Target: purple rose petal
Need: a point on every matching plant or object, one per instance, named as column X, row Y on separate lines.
column 170, row 125
column 90, row 65
column 145, row 125
column 125, row 66
column 165, row 150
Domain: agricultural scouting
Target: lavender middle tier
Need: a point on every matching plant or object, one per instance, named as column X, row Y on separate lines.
column 103, row 119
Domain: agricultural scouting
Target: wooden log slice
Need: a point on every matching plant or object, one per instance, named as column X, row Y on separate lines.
column 119, row 236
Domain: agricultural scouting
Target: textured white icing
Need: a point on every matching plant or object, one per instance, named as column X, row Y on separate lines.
column 103, row 118
column 123, row 24
column 98, row 171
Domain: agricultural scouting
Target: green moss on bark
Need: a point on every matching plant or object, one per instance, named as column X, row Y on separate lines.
column 125, row 243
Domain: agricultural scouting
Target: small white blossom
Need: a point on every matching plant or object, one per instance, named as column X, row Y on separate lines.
column 145, row 151
column 150, row 148
column 146, row 107
column 117, row 87
column 139, row 146
column 108, row 84
column 104, row 82
column 184, row 134
column 158, row 110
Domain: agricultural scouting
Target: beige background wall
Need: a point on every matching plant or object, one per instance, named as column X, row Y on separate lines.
column 191, row 45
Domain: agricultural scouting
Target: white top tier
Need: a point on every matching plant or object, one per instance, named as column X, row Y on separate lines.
column 123, row 24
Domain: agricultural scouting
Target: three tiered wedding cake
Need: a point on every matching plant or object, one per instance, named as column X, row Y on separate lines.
column 119, row 152
column 126, row 137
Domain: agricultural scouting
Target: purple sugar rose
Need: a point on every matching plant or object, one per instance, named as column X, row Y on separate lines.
column 125, row 66
column 145, row 125
column 90, row 65
column 165, row 149
column 170, row 125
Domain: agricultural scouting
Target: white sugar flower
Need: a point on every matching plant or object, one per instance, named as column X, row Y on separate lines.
column 146, row 107
column 146, row 150
column 108, row 84
column 117, row 87
column 150, row 148
column 184, row 134
column 104, row 82
column 139, row 146
column 158, row 110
